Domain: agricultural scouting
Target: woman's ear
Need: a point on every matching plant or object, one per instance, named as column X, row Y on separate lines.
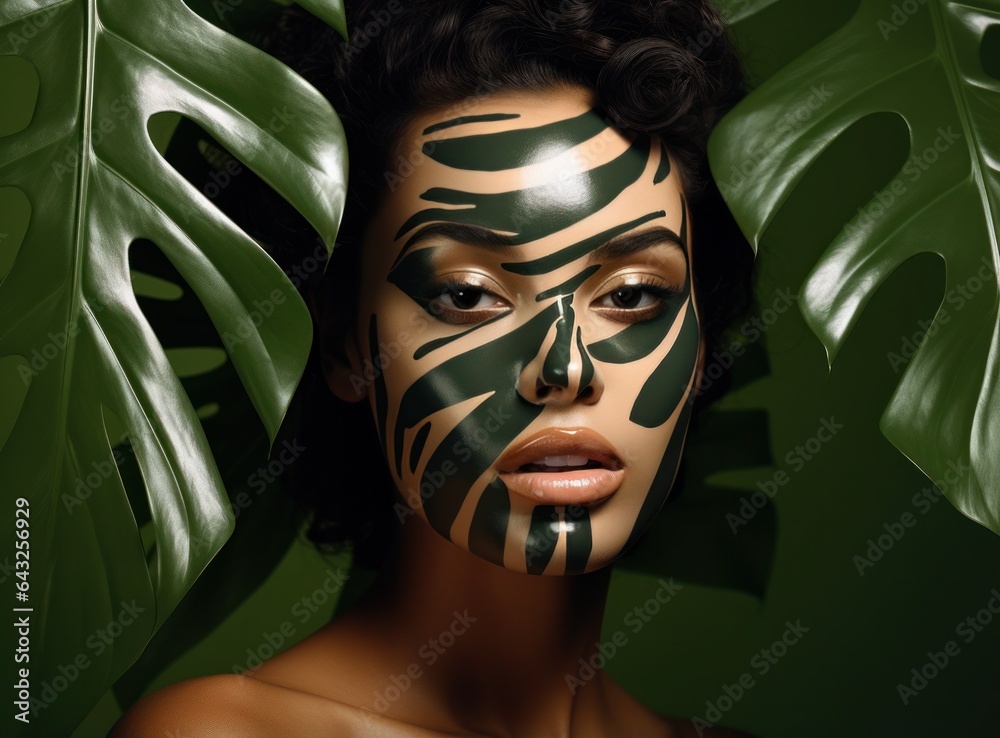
column 340, row 356
column 342, row 369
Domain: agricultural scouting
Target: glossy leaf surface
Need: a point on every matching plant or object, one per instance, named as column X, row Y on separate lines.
column 90, row 360
column 927, row 63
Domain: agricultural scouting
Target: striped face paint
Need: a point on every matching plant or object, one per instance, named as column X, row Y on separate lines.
column 527, row 294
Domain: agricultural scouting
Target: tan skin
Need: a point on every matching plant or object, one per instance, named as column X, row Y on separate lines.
column 515, row 636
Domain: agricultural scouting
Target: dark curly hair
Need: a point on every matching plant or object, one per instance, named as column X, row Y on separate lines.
column 665, row 67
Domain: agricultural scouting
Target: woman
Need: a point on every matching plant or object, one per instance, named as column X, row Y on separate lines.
column 532, row 264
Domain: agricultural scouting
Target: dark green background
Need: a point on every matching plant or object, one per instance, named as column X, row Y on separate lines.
column 865, row 633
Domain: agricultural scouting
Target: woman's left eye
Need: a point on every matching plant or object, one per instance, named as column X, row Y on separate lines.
column 631, row 303
column 630, row 297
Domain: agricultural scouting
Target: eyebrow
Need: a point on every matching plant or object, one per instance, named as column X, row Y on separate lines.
column 619, row 247
column 628, row 244
column 469, row 235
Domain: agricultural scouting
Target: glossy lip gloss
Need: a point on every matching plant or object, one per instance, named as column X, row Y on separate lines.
column 563, row 466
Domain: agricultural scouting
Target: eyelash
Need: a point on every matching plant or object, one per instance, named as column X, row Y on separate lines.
column 430, row 297
column 456, row 316
column 664, row 294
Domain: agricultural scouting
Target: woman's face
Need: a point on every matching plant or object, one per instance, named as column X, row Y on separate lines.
column 527, row 312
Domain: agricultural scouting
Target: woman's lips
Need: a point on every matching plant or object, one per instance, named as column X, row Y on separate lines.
column 563, row 466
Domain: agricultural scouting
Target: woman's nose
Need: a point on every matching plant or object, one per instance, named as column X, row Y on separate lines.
column 562, row 371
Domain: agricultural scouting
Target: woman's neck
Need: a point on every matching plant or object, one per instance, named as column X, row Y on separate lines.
column 496, row 649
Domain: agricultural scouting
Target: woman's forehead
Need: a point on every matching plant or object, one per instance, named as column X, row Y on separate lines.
column 528, row 166
column 498, row 111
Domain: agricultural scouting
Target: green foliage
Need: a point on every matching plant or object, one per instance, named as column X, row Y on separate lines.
column 710, row 534
column 928, row 63
column 80, row 357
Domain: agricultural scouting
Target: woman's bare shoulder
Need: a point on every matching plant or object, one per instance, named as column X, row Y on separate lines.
column 218, row 705
column 212, row 705
column 233, row 705
column 227, row 705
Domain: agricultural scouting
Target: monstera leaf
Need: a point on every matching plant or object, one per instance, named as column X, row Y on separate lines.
column 86, row 358
column 934, row 65
column 267, row 519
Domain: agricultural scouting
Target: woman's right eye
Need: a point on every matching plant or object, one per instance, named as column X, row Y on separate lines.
column 461, row 303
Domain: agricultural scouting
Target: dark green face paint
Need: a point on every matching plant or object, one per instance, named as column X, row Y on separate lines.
column 555, row 369
column 579, row 538
column 662, row 480
column 570, row 286
column 667, row 385
column 587, row 370
column 412, row 275
column 437, row 343
column 536, row 212
column 663, row 169
column 640, row 339
column 479, row 439
column 543, row 533
column 545, row 264
column 493, row 152
column 468, row 119
column 491, row 369
column 418, row 445
column 488, row 532
column 547, row 523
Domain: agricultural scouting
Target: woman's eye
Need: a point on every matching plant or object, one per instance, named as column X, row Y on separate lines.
column 465, row 297
column 465, row 303
column 631, row 303
column 630, row 298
